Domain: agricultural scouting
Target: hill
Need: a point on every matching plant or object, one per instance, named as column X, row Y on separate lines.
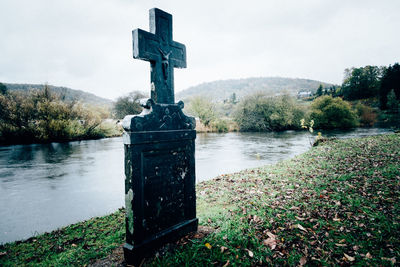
column 223, row 89
column 68, row 94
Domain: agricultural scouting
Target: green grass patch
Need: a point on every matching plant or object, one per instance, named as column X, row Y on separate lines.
column 76, row 244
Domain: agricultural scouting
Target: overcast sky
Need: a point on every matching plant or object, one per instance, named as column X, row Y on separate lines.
column 87, row 44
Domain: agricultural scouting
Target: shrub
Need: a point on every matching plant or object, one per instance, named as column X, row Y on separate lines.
column 202, row 108
column 261, row 113
column 220, row 125
column 41, row 116
column 366, row 115
column 127, row 105
column 332, row 113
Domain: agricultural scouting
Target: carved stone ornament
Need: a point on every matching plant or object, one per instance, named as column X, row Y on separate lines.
column 159, row 117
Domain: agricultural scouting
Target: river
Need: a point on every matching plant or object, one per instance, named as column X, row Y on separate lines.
column 46, row 186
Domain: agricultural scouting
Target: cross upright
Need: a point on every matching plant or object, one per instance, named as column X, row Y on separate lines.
column 163, row 53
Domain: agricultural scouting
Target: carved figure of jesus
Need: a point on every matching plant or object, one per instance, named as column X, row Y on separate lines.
column 165, row 62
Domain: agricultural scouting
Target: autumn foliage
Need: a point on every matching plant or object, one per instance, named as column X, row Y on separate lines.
column 42, row 116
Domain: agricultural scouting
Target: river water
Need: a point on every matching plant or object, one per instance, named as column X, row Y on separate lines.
column 46, row 186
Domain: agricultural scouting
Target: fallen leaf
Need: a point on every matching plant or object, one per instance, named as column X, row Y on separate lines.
column 74, row 245
column 336, row 219
column 256, row 218
column 226, row 264
column 271, row 235
column 208, row 245
column 303, row 261
column 368, row 255
column 349, row 258
column 251, row 254
column 301, row 227
column 223, row 249
column 340, row 245
column 271, row 242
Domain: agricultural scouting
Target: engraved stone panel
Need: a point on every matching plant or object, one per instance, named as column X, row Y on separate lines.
column 164, row 187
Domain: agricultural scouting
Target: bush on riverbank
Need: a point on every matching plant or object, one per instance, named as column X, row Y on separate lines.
column 262, row 113
column 202, row 108
column 333, row 113
column 219, row 125
column 337, row 204
column 211, row 118
column 366, row 114
column 42, row 116
column 127, row 105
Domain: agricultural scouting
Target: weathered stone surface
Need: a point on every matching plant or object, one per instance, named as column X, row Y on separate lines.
column 159, row 147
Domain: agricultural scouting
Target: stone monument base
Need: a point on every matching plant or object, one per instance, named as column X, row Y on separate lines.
column 135, row 254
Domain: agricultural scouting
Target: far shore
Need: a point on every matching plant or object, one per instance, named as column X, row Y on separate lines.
column 200, row 128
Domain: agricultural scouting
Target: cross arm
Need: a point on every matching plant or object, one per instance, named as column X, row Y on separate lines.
column 145, row 45
column 178, row 58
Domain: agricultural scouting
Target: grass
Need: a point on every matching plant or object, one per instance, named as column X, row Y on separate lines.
column 337, row 204
column 76, row 244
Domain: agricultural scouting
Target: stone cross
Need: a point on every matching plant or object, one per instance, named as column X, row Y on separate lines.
column 159, row 145
column 163, row 53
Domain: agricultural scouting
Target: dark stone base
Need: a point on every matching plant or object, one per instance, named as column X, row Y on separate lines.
column 135, row 254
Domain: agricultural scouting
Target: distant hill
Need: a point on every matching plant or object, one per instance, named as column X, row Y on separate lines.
column 223, row 89
column 67, row 93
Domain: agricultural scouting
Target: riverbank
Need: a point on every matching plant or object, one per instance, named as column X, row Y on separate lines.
column 105, row 129
column 221, row 125
column 336, row 204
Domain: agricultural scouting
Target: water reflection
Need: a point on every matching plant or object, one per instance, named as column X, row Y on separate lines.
column 43, row 187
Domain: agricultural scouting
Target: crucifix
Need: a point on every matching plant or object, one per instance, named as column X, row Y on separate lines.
column 163, row 53
column 159, row 147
